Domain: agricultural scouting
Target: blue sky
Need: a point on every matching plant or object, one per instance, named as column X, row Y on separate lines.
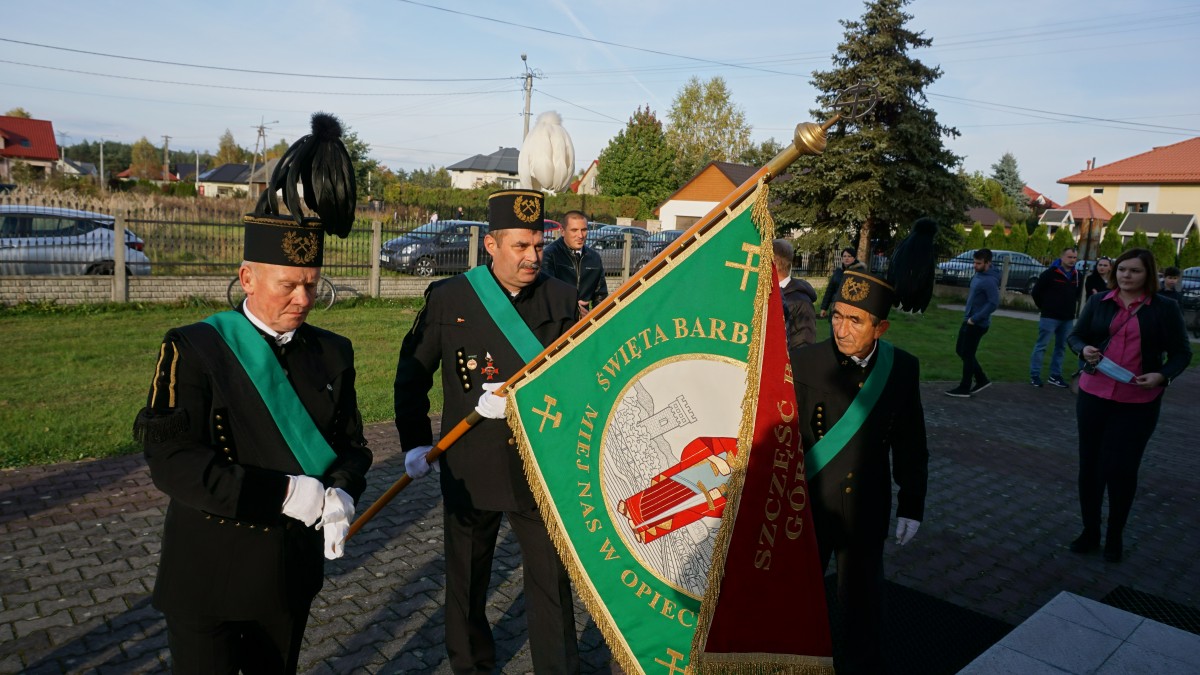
column 1020, row 76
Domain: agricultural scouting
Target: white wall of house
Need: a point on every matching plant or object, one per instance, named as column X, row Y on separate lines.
column 214, row 190
column 469, row 180
column 672, row 210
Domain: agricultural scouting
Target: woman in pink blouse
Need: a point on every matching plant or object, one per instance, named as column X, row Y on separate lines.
column 1122, row 336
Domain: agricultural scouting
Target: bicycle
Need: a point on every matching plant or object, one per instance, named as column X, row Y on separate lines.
column 326, row 293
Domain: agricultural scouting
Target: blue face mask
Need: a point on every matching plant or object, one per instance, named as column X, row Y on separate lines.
column 1109, row 368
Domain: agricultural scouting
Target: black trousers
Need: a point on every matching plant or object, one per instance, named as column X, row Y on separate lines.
column 268, row 645
column 470, row 546
column 857, row 615
column 1112, row 439
column 969, row 336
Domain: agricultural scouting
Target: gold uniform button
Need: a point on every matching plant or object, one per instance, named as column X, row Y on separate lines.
column 220, row 428
column 512, row 441
column 849, row 490
column 218, row 418
column 467, row 387
column 221, row 521
column 860, row 384
column 221, row 438
column 850, row 475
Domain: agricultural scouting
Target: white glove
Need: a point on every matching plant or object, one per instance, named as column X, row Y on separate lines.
column 339, row 508
column 906, row 529
column 415, row 464
column 305, row 499
column 490, row 405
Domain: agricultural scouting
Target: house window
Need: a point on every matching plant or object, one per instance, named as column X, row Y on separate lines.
column 1097, row 191
column 1137, row 207
column 509, row 183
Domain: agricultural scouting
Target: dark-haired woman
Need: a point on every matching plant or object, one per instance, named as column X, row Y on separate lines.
column 850, row 261
column 1122, row 336
column 1098, row 280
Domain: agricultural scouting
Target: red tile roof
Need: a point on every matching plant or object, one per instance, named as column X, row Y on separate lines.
column 28, row 139
column 1033, row 196
column 1082, row 209
column 1177, row 163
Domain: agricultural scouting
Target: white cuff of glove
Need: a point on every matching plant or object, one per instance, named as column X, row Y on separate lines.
column 415, row 464
column 305, row 499
column 490, row 405
column 339, row 509
column 906, row 529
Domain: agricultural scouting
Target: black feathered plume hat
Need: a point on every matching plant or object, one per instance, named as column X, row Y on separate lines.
column 315, row 172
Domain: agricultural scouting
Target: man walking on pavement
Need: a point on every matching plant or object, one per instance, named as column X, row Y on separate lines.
column 570, row 259
column 1055, row 294
column 982, row 300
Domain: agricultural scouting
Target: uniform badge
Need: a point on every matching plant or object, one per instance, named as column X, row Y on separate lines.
column 472, row 364
column 490, row 369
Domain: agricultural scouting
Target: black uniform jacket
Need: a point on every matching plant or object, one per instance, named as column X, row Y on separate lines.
column 854, row 491
column 585, row 272
column 212, row 447
column 455, row 332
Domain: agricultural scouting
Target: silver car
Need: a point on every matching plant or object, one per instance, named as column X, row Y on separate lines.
column 53, row 241
column 612, row 252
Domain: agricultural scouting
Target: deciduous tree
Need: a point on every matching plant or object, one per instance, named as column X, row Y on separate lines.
column 145, row 161
column 18, row 112
column 705, row 125
column 637, row 161
column 881, row 173
column 229, row 152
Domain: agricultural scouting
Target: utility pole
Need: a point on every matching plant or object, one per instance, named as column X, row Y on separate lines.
column 166, row 174
column 529, row 75
column 103, row 183
column 261, row 138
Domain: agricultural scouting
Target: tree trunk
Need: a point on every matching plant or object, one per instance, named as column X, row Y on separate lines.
column 864, row 242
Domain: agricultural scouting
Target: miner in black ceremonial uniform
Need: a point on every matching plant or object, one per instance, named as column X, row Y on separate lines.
column 252, row 429
column 479, row 328
column 863, row 428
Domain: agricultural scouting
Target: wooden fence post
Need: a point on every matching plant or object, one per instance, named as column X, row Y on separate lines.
column 376, row 243
column 120, row 286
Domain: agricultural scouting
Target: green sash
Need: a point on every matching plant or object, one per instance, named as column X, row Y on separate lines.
column 833, row 442
column 294, row 423
column 501, row 309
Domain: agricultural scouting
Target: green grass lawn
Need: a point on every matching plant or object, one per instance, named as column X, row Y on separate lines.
column 75, row 377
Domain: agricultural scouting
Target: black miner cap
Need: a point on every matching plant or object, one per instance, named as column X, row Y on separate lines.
column 516, row 209
column 864, row 291
column 319, row 164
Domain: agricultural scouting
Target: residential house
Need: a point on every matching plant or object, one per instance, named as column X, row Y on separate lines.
column 479, row 170
column 227, row 180
column 1038, row 203
column 987, row 218
column 1163, row 180
column 702, row 193
column 1088, row 218
column 28, row 141
column 587, row 183
column 75, row 168
column 262, row 176
column 1054, row 219
column 157, row 177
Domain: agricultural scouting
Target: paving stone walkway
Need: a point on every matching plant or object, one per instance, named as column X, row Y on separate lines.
column 79, row 544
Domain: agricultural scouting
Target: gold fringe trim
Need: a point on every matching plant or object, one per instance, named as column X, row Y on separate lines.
column 761, row 216
column 752, row 663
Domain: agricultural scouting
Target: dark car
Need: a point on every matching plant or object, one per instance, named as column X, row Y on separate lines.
column 660, row 240
column 1189, row 288
column 611, row 248
column 47, row 240
column 602, row 230
column 1023, row 270
column 433, row 248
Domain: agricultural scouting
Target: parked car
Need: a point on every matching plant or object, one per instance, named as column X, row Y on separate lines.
column 602, row 230
column 612, row 252
column 46, row 240
column 660, row 240
column 1023, row 270
column 1189, row 288
column 433, row 248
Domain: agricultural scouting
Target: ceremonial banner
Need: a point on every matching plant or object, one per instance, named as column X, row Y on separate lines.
column 639, row 431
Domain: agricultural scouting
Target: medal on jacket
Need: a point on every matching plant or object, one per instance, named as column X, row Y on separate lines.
column 490, row 369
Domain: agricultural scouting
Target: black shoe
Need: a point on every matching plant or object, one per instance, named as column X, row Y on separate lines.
column 1035, row 380
column 1113, row 549
column 980, row 386
column 1057, row 381
column 959, row 392
column 1086, row 542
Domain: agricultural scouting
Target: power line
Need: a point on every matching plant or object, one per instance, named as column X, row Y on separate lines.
column 233, row 88
column 1069, row 115
column 594, row 112
column 257, row 72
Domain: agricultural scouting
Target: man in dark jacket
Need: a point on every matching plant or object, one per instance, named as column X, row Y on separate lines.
column 1055, row 293
column 859, row 408
column 798, row 295
column 252, row 429
column 982, row 300
column 570, row 259
column 478, row 328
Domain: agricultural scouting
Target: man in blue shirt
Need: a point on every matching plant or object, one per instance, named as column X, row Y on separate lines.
column 982, row 300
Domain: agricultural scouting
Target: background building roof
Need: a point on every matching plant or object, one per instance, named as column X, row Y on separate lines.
column 503, row 160
column 1177, row 163
column 28, row 139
